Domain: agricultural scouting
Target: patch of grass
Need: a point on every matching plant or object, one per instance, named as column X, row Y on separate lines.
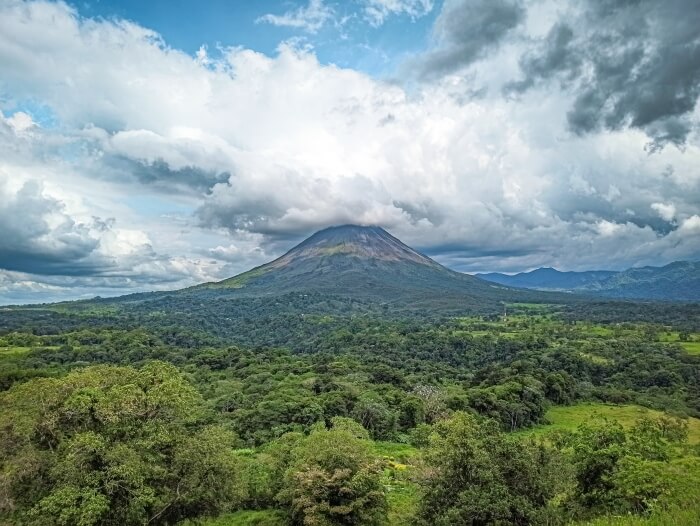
column 668, row 336
column 568, row 418
column 402, row 497
column 243, row 518
column 395, row 451
column 691, row 347
column 401, row 492
column 597, row 330
column 14, row 351
column 594, row 358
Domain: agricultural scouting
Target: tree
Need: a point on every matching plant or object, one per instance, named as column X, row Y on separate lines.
column 476, row 475
column 111, row 445
column 333, row 479
column 620, row 470
column 375, row 416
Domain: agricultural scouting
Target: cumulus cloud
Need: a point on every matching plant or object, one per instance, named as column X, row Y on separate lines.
column 38, row 236
column 209, row 167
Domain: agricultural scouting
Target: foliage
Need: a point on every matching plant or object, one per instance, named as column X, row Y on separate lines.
column 333, row 479
column 621, row 470
column 77, row 444
column 477, row 475
column 111, row 445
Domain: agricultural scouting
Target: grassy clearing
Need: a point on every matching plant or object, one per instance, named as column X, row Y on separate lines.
column 402, row 497
column 401, row 492
column 691, row 347
column 568, row 418
column 681, row 504
column 14, row 351
column 594, row 358
column 243, row 518
column 668, row 336
column 395, row 451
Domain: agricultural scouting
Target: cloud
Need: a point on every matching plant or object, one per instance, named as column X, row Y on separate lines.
column 53, row 245
column 310, row 18
column 466, row 31
column 556, row 54
column 198, row 169
column 667, row 212
column 377, row 11
column 38, row 236
column 628, row 64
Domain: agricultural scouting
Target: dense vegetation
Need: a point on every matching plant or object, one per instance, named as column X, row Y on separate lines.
column 108, row 417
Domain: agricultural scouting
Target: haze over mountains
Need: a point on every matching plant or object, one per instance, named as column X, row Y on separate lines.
column 678, row 281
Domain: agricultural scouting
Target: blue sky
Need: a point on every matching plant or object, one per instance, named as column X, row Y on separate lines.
column 155, row 145
column 348, row 41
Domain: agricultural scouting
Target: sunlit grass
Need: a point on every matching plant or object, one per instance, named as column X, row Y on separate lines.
column 14, row 351
column 691, row 347
column 568, row 418
column 243, row 518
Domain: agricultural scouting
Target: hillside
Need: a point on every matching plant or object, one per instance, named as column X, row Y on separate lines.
column 549, row 278
column 678, row 281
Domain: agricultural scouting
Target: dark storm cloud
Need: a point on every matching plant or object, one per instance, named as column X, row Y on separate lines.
column 636, row 62
column 556, row 54
column 466, row 30
column 160, row 175
column 30, row 243
column 464, row 251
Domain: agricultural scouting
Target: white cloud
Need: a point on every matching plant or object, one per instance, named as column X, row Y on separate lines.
column 21, row 123
column 310, row 18
column 667, row 212
column 377, row 11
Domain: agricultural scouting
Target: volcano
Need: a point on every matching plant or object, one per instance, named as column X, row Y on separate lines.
column 364, row 262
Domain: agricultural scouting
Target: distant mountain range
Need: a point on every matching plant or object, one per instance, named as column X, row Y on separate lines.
column 679, row 281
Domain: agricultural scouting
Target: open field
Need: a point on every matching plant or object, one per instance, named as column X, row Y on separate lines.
column 568, row 418
column 691, row 347
column 243, row 518
column 14, row 351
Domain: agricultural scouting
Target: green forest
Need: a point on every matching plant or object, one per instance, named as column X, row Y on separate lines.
column 540, row 417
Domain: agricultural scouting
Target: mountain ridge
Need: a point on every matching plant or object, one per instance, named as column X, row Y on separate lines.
column 676, row 281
